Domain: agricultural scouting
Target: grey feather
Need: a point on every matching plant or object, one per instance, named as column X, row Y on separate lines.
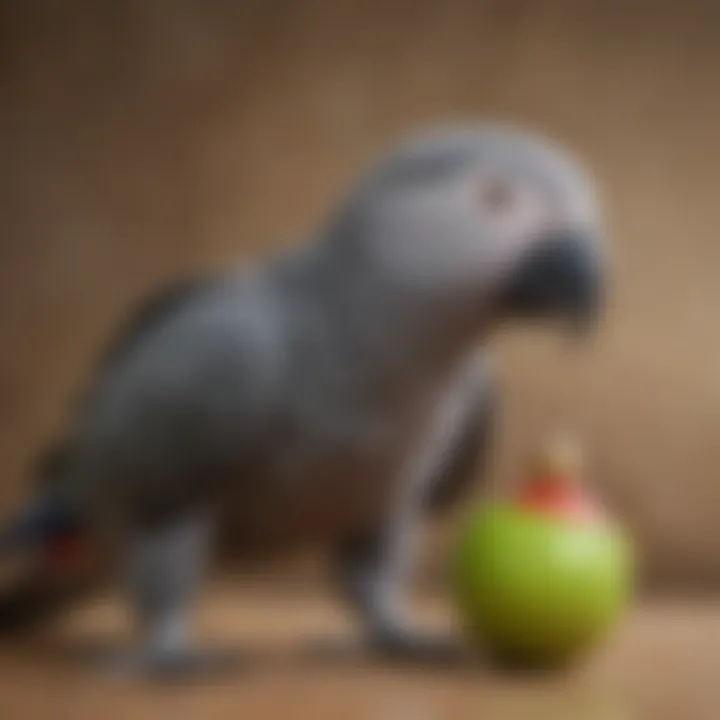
column 470, row 455
column 261, row 390
column 304, row 402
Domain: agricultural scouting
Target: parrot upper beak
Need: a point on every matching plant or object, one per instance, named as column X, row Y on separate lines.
column 563, row 278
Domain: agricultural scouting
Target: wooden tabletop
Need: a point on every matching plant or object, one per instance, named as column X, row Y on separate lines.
column 663, row 662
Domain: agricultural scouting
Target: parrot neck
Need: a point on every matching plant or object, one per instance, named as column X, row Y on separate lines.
column 408, row 330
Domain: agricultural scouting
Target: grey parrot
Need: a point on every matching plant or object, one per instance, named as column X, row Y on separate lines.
column 337, row 396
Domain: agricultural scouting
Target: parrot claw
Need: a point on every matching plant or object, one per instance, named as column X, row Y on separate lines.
column 169, row 664
column 401, row 647
column 403, row 644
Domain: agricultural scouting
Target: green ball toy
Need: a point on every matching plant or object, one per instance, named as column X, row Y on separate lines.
column 540, row 579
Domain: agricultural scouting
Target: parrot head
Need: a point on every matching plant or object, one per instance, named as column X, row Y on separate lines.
column 495, row 213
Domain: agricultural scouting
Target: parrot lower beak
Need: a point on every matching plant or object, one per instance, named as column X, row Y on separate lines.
column 563, row 279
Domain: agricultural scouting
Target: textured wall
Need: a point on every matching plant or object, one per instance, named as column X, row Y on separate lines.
column 140, row 139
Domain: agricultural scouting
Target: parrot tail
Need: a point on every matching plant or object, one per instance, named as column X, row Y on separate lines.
column 60, row 567
column 35, row 598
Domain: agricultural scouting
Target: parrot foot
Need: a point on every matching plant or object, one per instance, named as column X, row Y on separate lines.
column 398, row 648
column 416, row 646
column 174, row 664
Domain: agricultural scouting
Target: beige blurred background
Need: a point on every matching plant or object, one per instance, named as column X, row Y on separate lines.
column 144, row 139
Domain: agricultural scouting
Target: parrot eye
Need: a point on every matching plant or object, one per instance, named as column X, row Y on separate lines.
column 511, row 206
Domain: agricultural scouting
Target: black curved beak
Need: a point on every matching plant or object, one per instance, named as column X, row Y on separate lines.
column 562, row 279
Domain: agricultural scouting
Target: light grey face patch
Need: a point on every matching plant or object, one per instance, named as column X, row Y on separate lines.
column 462, row 211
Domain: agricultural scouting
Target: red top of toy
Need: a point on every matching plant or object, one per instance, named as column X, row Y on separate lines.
column 554, row 485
